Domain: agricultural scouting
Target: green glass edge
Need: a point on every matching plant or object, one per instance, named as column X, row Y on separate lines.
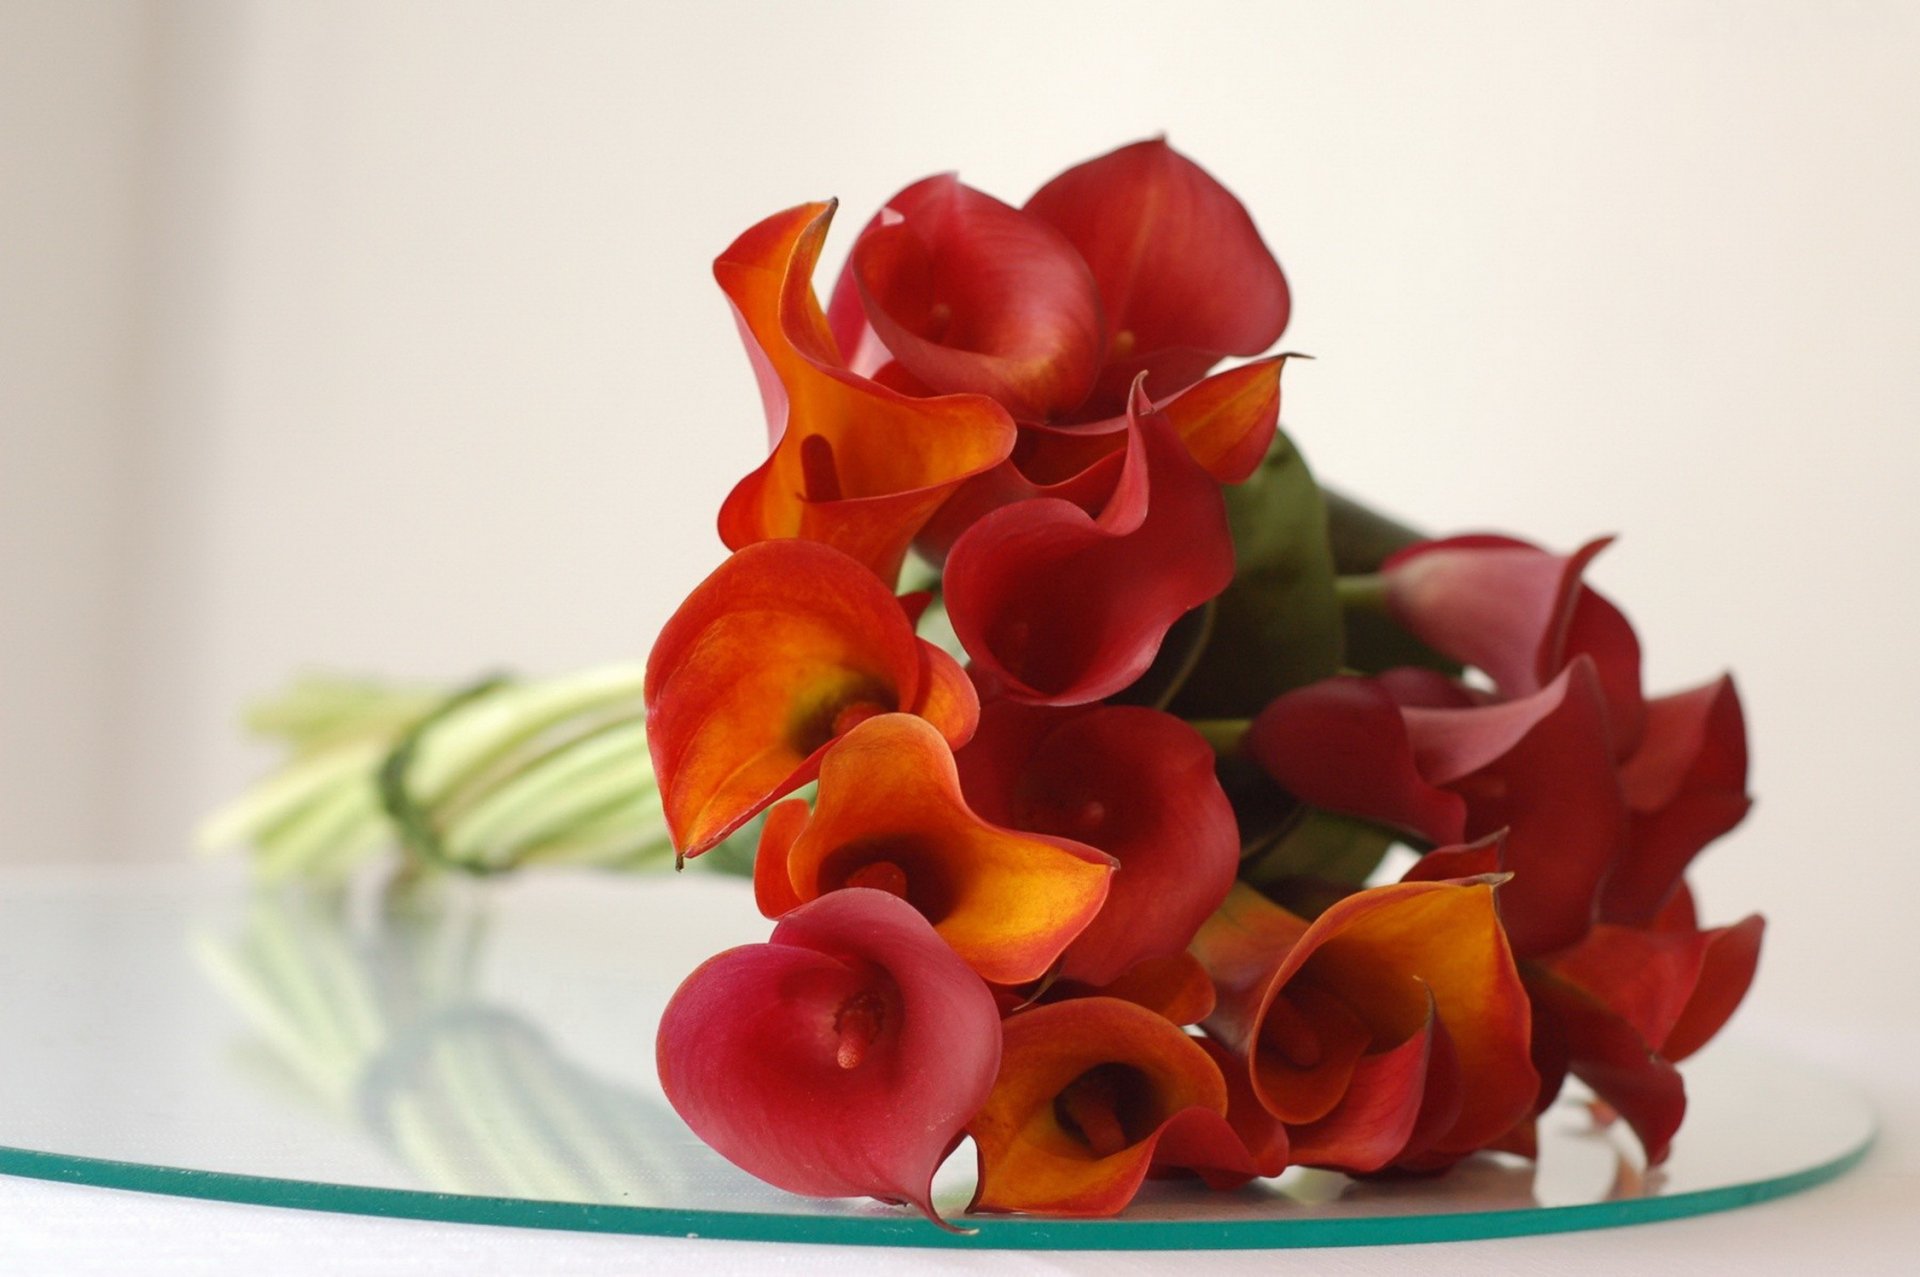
column 910, row 1230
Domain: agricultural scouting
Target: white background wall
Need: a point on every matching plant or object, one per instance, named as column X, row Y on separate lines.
column 381, row 337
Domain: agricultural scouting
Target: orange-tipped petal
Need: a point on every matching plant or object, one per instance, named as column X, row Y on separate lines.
column 1138, row 784
column 1228, row 420
column 783, row 647
column 890, row 815
column 1338, row 1018
column 772, row 889
column 1087, row 1091
column 854, row 464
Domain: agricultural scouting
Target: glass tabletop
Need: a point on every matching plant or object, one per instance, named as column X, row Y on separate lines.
column 483, row 1052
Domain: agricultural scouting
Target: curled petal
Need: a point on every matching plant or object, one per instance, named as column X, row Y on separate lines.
column 1392, row 1026
column 1602, row 1049
column 1540, row 769
column 1138, row 784
column 1342, row 744
column 1087, row 1091
column 1627, row 1003
column 841, row 1058
column 785, row 645
column 890, row 815
column 972, row 296
column 1227, row 422
column 1061, row 608
column 854, row 464
column 1261, row 1133
column 1184, row 276
column 1088, row 486
column 1644, row 977
column 1726, row 972
column 1521, row 615
column 1685, row 786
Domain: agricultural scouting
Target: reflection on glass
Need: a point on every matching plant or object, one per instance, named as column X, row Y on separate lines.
column 370, row 1010
column 373, row 1016
column 490, row 1043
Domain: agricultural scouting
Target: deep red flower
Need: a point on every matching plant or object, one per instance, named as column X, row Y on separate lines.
column 1138, row 261
column 1607, row 795
column 784, row 647
column 1624, row 1006
column 1537, row 768
column 1058, row 607
column 1135, row 783
column 970, row 295
column 1184, row 276
column 1522, row 615
column 841, row 1058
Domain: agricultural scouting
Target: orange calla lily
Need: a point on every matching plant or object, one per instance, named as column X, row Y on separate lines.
column 1092, row 1094
column 784, row 647
column 1390, row 1031
column 854, row 464
column 890, row 815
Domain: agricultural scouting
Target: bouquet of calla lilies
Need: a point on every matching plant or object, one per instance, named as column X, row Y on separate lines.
column 1065, row 724
column 1096, row 883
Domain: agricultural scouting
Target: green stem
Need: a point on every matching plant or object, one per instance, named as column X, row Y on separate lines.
column 1223, row 734
column 1365, row 593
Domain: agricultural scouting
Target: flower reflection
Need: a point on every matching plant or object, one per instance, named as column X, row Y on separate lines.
column 374, row 1015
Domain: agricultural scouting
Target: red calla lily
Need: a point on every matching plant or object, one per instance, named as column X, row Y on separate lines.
column 841, row 1058
column 854, row 464
column 1686, row 785
column 1520, row 615
column 1134, row 782
column 1537, row 768
column 890, row 815
column 784, row 647
column 1057, row 607
column 1184, row 276
column 973, row 296
column 1523, row 615
column 1624, row 1006
column 1226, row 421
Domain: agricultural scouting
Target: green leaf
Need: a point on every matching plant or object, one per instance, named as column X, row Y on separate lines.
column 1318, row 845
column 1277, row 626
